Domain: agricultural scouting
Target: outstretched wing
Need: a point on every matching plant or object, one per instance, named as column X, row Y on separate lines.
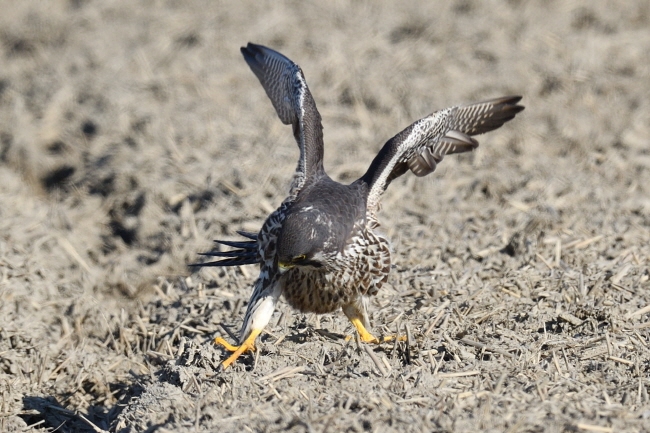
column 245, row 253
column 422, row 145
column 285, row 85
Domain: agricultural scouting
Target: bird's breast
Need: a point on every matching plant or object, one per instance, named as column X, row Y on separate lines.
column 360, row 269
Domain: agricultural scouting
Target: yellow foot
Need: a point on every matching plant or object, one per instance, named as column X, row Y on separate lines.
column 367, row 337
column 375, row 340
column 247, row 346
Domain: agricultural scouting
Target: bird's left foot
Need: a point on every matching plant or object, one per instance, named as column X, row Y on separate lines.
column 247, row 346
column 367, row 337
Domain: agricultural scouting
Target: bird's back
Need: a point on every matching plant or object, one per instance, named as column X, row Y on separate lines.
column 340, row 206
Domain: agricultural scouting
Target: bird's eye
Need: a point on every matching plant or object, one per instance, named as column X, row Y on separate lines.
column 299, row 258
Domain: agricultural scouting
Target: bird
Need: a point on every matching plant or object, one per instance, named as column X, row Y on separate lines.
column 322, row 249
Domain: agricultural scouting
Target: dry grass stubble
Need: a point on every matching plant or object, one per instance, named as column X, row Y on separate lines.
column 132, row 134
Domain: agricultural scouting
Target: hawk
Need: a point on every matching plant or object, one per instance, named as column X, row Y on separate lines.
column 321, row 249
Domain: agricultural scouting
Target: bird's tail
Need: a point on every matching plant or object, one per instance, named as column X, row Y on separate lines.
column 246, row 252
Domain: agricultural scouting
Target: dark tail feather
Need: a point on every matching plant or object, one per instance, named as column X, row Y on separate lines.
column 231, row 261
column 234, row 253
column 248, row 235
column 248, row 245
column 246, row 252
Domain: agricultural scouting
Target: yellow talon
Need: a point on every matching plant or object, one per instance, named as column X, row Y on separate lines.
column 229, row 347
column 367, row 337
column 247, row 346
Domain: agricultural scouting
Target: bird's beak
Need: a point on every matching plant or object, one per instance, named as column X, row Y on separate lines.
column 283, row 267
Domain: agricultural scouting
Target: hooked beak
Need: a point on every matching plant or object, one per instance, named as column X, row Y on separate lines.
column 284, row 267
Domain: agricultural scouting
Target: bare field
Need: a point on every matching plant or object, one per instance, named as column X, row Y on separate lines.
column 133, row 133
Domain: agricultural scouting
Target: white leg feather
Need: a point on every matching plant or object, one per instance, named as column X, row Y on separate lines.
column 260, row 309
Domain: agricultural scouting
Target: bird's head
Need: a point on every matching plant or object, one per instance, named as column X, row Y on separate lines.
column 305, row 240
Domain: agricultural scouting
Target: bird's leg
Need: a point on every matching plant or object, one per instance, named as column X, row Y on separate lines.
column 357, row 317
column 259, row 312
column 364, row 335
column 246, row 346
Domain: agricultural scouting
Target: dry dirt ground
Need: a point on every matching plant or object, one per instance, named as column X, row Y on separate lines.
column 133, row 133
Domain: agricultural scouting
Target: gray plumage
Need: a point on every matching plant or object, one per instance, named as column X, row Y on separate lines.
column 320, row 248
